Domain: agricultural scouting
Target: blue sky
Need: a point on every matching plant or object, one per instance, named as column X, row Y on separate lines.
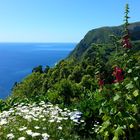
column 59, row 20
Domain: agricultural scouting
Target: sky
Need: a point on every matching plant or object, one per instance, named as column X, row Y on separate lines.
column 60, row 20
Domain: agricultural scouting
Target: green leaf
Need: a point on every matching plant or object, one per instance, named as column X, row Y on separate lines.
column 136, row 93
column 131, row 125
column 106, row 134
column 115, row 138
column 129, row 86
column 100, row 111
column 134, row 108
column 119, row 131
column 130, row 70
column 116, row 97
column 128, row 97
column 104, row 126
column 136, row 78
column 119, row 114
column 112, row 111
column 106, row 118
column 116, row 84
column 106, row 123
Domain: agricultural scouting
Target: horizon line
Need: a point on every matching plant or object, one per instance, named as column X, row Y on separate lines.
column 40, row 42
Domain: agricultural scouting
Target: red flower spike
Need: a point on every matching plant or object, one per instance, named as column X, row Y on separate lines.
column 118, row 73
column 101, row 83
column 126, row 42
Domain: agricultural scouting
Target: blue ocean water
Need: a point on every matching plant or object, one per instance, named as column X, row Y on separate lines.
column 18, row 59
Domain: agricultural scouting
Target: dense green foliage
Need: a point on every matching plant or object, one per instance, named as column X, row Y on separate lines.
column 110, row 112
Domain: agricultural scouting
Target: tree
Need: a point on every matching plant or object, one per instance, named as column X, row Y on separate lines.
column 64, row 92
column 38, row 69
column 46, row 69
column 87, row 82
column 30, row 87
column 77, row 74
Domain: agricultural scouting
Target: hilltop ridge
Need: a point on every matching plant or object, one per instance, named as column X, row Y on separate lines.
column 102, row 36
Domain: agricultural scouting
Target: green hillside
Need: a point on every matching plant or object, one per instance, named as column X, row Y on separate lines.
column 102, row 36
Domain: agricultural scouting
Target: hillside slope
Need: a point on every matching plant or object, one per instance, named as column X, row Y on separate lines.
column 102, row 35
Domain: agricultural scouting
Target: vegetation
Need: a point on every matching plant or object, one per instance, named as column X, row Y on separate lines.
column 100, row 79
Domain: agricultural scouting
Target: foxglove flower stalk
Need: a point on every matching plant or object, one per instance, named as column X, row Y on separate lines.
column 126, row 42
column 118, row 73
column 101, row 82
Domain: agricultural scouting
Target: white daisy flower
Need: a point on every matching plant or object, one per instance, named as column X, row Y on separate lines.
column 22, row 128
column 21, row 138
column 35, row 134
column 10, row 136
column 36, row 127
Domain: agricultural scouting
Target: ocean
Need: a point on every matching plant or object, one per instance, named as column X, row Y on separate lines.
column 18, row 59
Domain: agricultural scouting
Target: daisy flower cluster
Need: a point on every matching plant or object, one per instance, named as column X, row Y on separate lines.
column 41, row 121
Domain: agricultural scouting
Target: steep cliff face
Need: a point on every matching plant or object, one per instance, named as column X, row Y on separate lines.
column 102, row 35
